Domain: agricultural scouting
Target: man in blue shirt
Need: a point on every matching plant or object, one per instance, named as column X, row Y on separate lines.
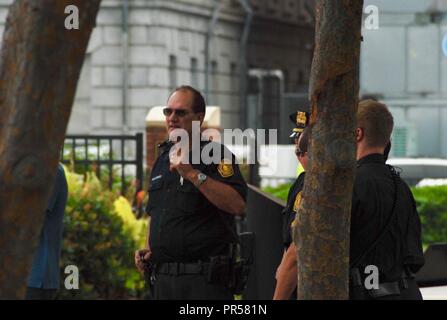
column 43, row 282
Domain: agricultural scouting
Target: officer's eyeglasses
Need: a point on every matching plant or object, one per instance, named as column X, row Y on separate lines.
column 178, row 112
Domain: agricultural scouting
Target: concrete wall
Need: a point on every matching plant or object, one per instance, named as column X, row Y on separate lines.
column 403, row 64
column 163, row 32
column 160, row 33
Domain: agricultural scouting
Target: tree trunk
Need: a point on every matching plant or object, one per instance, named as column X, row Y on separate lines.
column 39, row 68
column 323, row 220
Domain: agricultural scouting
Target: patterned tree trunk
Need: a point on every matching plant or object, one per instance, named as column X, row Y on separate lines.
column 323, row 221
column 40, row 65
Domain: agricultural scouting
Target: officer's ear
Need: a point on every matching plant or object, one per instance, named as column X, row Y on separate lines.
column 200, row 116
column 359, row 134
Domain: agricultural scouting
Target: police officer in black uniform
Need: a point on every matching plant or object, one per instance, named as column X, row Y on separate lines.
column 192, row 208
column 385, row 226
column 286, row 274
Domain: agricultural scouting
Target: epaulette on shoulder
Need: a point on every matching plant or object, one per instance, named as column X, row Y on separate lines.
column 165, row 145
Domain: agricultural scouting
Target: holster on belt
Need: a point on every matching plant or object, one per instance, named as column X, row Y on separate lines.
column 149, row 277
column 357, row 290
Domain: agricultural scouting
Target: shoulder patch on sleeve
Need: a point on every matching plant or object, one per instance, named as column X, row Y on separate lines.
column 297, row 202
column 225, row 168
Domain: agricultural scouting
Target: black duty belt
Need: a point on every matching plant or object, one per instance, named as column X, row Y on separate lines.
column 180, row 268
column 385, row 288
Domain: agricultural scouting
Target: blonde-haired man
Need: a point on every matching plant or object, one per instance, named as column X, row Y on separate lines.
column 385, row 226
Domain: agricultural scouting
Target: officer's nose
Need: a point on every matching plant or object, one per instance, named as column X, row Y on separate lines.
column 173, row 117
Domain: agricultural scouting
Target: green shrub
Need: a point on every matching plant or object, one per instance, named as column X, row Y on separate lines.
column 100, row 243
column 431, row 203
column 108, row 181
column 280, row 191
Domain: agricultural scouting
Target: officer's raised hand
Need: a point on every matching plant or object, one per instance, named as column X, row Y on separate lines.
column 217, row 192
column 179, row 163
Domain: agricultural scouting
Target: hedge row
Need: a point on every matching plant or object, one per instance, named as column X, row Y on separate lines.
column 431, row 203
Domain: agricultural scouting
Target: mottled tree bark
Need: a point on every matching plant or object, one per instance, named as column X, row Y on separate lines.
column 40, row 65
column 323, row 221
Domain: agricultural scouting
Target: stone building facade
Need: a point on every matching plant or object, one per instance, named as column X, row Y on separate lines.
column 141, row 49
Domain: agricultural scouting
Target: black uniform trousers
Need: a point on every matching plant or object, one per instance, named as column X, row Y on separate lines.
column 410, row 293
column 188, row 287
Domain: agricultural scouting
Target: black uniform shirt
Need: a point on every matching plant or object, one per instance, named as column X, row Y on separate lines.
column 289, row 211
column 185, row 226
column 372, row 202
